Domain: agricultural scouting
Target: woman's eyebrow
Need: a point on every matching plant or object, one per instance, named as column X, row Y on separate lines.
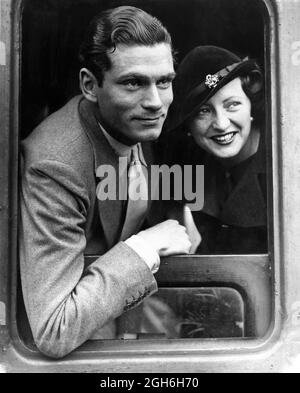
column 232, row 98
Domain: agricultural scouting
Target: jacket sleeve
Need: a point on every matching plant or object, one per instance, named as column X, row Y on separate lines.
column 66, row 304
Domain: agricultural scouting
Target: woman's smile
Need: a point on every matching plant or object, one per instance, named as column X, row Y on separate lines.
column 224, row 139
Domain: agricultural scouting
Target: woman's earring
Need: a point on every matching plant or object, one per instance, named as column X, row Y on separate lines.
column 251, row 118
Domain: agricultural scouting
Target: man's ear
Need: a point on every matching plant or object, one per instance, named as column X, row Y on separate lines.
column 88, row 84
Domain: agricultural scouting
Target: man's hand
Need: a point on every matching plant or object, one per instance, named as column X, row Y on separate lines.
column 167, row 238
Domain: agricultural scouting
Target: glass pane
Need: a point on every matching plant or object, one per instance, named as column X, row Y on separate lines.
column 186, row 313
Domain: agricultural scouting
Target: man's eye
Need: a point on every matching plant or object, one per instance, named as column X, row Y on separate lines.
column 164, row 83
column 132, row 83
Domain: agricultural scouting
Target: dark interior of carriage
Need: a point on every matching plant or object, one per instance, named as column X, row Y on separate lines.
column 53, row 29
column 51, row 33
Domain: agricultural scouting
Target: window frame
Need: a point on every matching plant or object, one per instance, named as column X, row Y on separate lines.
column 134, row 355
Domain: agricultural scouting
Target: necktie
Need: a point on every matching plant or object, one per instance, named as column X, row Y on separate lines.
column 137, row 196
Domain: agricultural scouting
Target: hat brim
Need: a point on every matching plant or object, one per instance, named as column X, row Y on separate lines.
column 190, row 108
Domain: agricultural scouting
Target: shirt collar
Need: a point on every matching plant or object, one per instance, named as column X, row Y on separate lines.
column 121, row 149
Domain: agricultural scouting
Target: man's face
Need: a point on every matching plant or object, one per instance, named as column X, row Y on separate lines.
column 136, row 92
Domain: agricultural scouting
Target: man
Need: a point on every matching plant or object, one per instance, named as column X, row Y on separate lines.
column 126, row 84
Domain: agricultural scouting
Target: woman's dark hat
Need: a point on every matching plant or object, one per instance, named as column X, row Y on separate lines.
column 204, row 71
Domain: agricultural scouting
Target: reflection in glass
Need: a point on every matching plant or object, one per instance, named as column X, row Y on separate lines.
column 187, row 313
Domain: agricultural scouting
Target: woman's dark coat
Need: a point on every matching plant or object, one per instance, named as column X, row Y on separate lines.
column 234, row 217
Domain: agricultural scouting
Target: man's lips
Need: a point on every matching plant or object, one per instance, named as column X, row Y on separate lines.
column 149, row 118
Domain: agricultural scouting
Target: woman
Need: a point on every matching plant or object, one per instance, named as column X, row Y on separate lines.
column 216, row 121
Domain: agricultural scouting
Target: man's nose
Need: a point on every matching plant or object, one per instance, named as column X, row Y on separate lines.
column 221, row 120
column 152, row 100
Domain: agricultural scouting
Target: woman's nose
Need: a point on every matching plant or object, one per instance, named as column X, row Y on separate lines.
column 221, row 120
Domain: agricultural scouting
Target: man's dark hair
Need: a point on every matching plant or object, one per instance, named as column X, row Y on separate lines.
column 122, row 25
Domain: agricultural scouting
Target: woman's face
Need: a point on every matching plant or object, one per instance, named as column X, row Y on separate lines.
column 222, row 125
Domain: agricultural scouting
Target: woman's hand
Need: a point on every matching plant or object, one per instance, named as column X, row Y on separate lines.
column 184, row 216
column 191, row 229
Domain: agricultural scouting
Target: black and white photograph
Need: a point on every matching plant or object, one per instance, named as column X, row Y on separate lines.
column 150, row 189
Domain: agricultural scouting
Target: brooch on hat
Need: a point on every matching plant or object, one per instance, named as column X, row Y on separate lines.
column 212, row 80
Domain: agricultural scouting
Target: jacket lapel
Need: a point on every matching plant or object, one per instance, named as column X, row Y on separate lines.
column 153, row 188
column 246, row 205
column 110, row 210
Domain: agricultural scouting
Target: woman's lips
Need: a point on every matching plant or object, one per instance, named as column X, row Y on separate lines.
column 224, row 139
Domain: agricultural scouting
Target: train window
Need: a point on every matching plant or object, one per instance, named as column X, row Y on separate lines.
column 188, row 313
column 224, row 292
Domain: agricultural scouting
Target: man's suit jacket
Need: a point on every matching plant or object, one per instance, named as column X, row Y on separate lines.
column 67, row 302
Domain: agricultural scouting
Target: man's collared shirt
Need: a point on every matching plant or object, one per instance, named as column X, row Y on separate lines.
column 144, row 250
